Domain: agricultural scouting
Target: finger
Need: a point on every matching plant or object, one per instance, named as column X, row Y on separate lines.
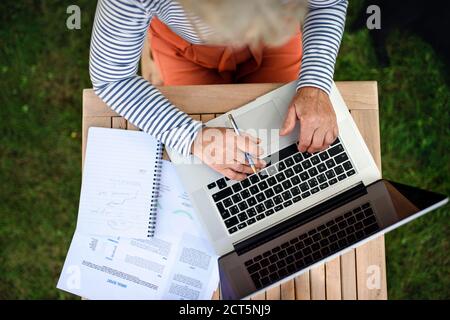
column 305, row 136
column 335, row 132
column 233, row 175
column 246, row 145
column 241, row 158
column 289, row 121
column 317, row 141
column 241, row 168
column 329, row 139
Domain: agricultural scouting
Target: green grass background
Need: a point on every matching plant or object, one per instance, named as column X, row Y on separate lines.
column 43, row 69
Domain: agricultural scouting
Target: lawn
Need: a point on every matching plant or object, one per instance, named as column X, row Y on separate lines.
column 43, row 69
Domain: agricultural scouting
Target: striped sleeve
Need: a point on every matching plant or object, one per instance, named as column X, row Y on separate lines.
column 118, row 36
column 322, row 33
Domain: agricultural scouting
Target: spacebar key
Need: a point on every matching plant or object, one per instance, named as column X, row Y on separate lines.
column 222, row 194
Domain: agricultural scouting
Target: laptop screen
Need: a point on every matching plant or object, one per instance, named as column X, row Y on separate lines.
column 381, row 207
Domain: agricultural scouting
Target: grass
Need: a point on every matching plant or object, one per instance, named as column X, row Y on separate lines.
column 44, row 67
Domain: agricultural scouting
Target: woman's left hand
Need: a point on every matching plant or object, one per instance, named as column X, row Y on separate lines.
column 318, row 126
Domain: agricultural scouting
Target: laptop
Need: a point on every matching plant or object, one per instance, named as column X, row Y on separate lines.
column 301, row 209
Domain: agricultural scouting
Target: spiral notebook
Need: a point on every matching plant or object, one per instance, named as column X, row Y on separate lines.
column 119, row 190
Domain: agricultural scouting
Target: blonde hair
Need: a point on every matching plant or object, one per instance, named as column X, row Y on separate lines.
column 247, row 22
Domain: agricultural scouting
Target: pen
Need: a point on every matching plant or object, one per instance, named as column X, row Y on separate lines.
column 236, row 130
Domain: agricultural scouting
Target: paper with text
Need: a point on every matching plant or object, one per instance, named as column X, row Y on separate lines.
column 177, row 263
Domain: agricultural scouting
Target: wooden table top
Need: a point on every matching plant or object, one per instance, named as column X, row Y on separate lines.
column 357, row 274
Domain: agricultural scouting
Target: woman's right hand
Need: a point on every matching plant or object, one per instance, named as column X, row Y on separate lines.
column 222, row 150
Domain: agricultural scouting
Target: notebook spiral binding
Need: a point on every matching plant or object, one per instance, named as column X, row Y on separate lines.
column 154, row 196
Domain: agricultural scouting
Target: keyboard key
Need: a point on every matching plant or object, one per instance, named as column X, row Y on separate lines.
column 286, row 195
column 225, row 215
column 232, row 230
column 289, row 173
column 335, row 150
column 260, row 216
column 254, row 190
column 306, row 164
column 251, row 212
column 280, row 177
column 260, row 208
column 289, row 162
column 231, row 222
column 304, row 176
column 251, row 201
column 298, row 168
column 330, row 174
column 269, row 212
column 220, row 207
column 242, row 225
column 278, row 189
column 330, row 163
column 321, row 167
column 234, row 210
column 350, row 173
column 222, row 194
column 254, row 268
column 280, row 166
column 263, row 174
column 211, row 185
column 306, row 155
column 260, row 197
column 296, row 199
column 245, row 183
column 278, row 207
column 254, row 178
column 338, row 170
column 245, row 194
column 332, row 181
column 324, row 156
column 304, row 187
column 277, row 199
column 347, row 165
column 323, row 186
column 321, row 178
column 295, row 191
column 335, row 142
column 298, row 157
column 295, row 180
column 236, row 187
column 272, row 181
column 314, row 190
column 315, row 160
column 341, row 158
column 312, row 172
column 227, row 202
column 236, row 198
column 242, row 205
column 306, row 194
column 269, row 193
column 341, row 177
column 365, row 205
column 242, row 216
column 263, row 185
column 248, row 262
column 287, row 184
column 251, row 221
column 312, row 182
column 221, row 183
column 269, row 204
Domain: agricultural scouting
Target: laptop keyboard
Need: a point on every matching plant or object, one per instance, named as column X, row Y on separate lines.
column 295, row 176
column 309, row 248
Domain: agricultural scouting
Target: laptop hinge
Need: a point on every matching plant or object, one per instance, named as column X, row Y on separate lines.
column 300, row 219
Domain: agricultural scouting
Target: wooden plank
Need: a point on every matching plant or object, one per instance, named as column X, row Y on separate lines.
column 273, row 293
column 317, row 280
column 259, row 296
column 217, row 98
column 131, row 126
column 92, row 122
column 370, row 257
column 348, row 276
column 302, row 287
column 119, row 123
column 287, row 289
column 333, row 279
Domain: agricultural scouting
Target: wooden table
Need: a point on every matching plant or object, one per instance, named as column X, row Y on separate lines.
column 349, row 276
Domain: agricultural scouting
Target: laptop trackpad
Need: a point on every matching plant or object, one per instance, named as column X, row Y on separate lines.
column 263, row 122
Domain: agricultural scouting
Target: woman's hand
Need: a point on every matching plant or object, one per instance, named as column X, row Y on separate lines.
column 318, row 125
column 222, row 150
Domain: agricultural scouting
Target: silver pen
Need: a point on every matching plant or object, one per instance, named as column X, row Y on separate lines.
column 236, row 130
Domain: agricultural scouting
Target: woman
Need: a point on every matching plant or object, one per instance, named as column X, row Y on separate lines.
column 218, row 41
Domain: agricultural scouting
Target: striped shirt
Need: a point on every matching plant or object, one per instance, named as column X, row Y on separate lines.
column 118, row 37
